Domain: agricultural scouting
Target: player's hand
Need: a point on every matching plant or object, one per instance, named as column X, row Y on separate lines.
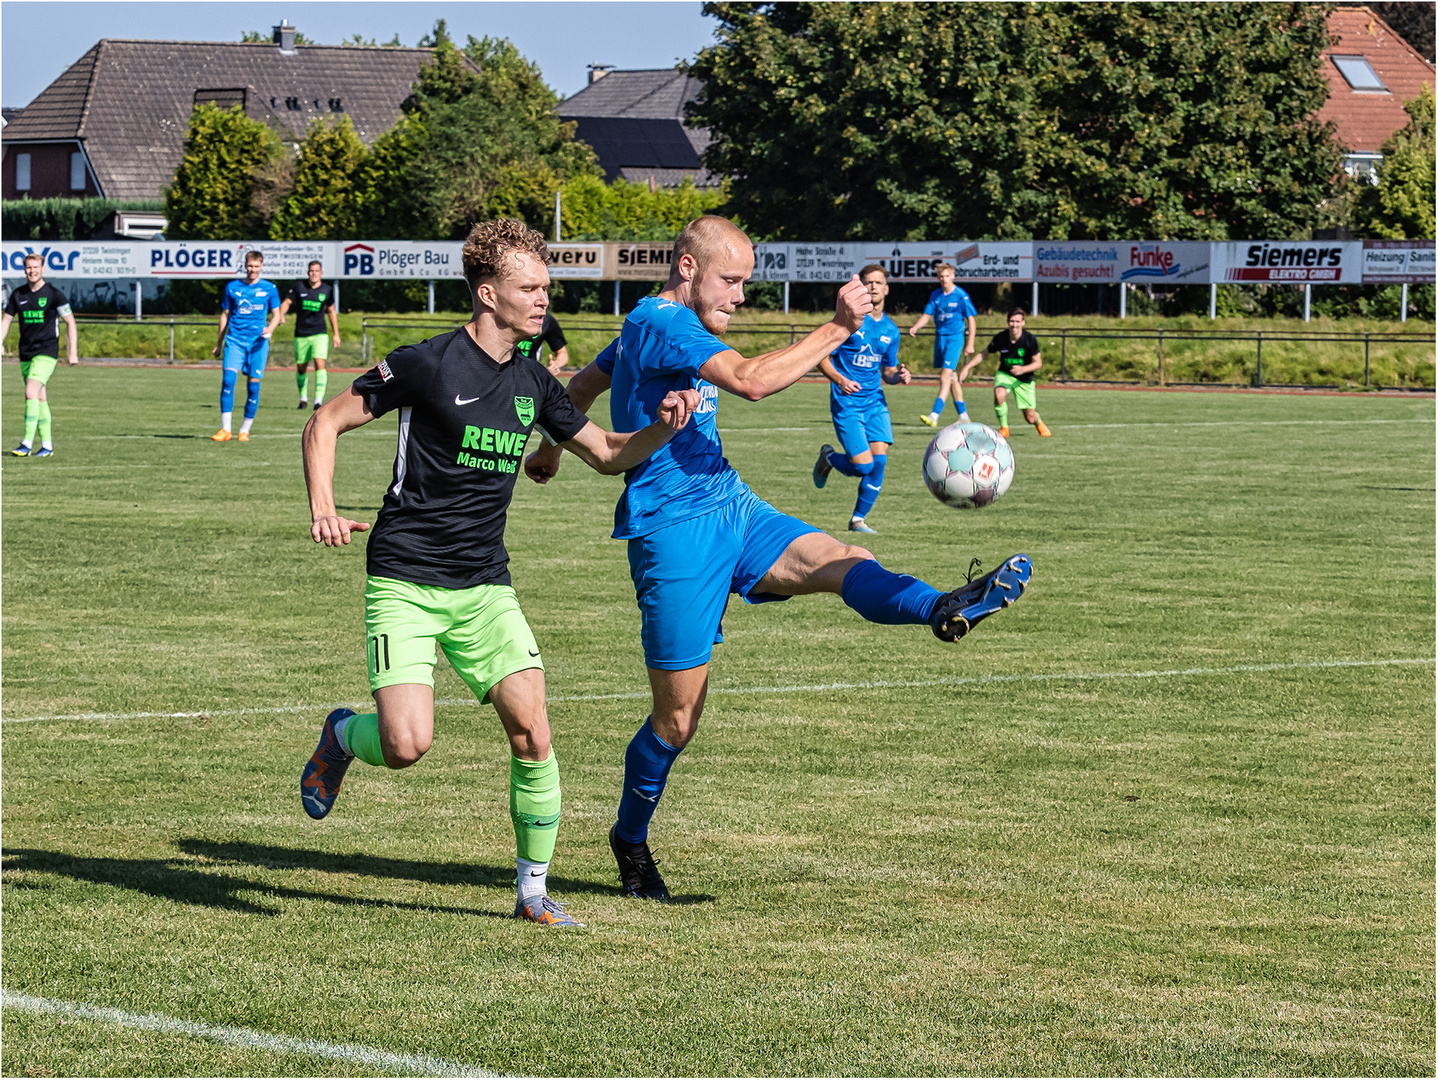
column 904, row 377
column 677, row 407
column 74, row 360
column 337, row 341
column 913, row 331
column 332, row 530
column 215, row 351
column 853, row 304
column 542, row 465
column 266, row 332
column 847, row 386
column 556, row 365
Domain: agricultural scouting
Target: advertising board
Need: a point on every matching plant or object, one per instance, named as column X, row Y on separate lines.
column 86, row 259
column 372, row 259
column 1290, row 262
column 1398, row 262
column 1078, row 262
column 1164, row 262
column 909, row 261
column 578, row 262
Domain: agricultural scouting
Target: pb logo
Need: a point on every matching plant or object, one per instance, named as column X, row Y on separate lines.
column 359, row 260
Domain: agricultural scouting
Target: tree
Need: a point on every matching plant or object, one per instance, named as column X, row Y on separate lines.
column 1400, row 205
column 254, row 37
column 326, row 201
column 232, row 178
column 594, row 210
column 1011, row 120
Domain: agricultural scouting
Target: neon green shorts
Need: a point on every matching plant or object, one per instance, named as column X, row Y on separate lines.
column 39, row 368
column 314, row 347
column 1025, row 394
column 482, row 631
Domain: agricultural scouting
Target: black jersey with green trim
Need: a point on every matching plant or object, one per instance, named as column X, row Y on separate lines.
column 463, row 422
column 38, row 311
column 549, row 334
column 1014, row 354
column 309, row 304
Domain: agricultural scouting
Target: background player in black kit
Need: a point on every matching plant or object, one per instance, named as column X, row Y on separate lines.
column 39, row 307
column 313, row 300
column 552, row 335
column 1019, row 360
column 437, row 568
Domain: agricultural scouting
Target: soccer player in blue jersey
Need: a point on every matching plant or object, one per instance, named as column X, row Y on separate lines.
column 856, row 402
column 954, row 318
column 696, row 533
column 249, row 313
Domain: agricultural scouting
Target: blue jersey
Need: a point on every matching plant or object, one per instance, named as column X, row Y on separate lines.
column 873, row 346
column 249, row 307
column 661, row 348
column 949, row 310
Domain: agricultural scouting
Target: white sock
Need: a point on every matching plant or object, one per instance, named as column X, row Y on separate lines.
column 318, row 402
column 225, row 420
column 47, row 445
column 245, row 427
column 532, row 877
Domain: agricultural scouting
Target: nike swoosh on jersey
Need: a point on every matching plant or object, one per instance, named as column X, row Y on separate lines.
column 465, row 401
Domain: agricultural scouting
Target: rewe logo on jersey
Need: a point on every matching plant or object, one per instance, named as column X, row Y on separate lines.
column 524, row 409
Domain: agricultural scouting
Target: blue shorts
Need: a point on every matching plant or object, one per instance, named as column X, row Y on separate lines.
column 247, row 356
column 947, row 351
column 683, row 575
column 862, row 423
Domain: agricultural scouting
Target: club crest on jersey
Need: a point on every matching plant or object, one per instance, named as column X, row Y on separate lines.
column 524, row 409
column 42, row 300
column 385, row 373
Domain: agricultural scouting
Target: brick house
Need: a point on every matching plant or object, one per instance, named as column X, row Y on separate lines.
column 114, row 123
column 1371, row 72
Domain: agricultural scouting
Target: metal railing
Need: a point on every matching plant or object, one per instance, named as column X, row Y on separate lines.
column 1158, row 335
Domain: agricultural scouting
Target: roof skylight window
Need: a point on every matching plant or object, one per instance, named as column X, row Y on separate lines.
column 1359, row 73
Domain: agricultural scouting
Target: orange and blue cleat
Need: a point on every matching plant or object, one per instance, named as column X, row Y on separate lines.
column 541, row 909
column 325, row 770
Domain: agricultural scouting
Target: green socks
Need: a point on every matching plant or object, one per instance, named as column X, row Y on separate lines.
column 534, row 807
column 302, row 377
column 1002, row 412
column 361, row 738
column 322, row 379
column 32, row 418
column 44, row 425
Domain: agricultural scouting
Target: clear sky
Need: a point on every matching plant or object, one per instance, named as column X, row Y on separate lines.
column 39, row 40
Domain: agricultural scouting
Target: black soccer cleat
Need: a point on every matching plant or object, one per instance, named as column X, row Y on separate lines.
column 638, row 870
column 968, row 605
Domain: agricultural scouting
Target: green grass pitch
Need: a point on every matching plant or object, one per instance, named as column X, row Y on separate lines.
column 1020, row 854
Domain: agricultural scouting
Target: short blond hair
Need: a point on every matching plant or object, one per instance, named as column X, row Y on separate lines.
column 31, row 255
column 944, row 266
column 490, row 246
column 704, row 237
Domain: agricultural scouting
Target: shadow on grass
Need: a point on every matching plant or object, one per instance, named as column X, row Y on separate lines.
column 271, row 857
column 193, row 883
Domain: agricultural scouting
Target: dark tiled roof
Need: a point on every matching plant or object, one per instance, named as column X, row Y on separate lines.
column 634, row 120
column 1366, row 120
column 131, row 100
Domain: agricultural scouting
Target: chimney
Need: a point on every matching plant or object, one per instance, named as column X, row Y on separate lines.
column 285, row 37
column 598, row 71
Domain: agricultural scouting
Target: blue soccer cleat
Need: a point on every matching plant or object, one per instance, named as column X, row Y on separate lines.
column 822, row 467
column 859, row 525
column 967, row 606
column 21, row 451
column 542, row 909
column 44, row 451
column 325, row 770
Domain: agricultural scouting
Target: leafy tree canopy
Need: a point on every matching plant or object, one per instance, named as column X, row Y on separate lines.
column 232, row 174
column 1400, row 205
column 1012, row 120
column 326, row 201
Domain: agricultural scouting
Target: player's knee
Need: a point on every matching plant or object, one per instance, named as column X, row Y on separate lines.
column 405, row 750
column 863, row 468
column 853, row 551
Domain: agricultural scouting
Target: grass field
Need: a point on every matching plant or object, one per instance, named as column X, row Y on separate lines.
column 1404, row 364
column 1173, row 813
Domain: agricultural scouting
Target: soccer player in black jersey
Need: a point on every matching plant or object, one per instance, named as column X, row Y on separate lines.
column 39, row 307
column 313, row 299
column 438, row 570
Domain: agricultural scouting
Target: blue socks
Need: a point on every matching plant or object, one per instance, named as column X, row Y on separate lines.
column 869, row 487
column 252, row 399
column 882, row 596
column 227, row 391
column 938, row 409
column 959, row 408
column 844, row 464
column 646, row 770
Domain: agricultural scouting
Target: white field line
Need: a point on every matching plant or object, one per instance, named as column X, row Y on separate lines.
column 415, row 1065
column 814, row 688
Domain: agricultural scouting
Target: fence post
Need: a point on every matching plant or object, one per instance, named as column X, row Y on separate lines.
column 1160, row 356
column 1123, row 299
column 1403, row 309
column 786, row 298
column 1063, row 347
column 792, row 332
column 138, row 302
column 172, row 337
column 616, row 296
column 430, row 308
column 1365, row 359
column 1307, row 300
column 1258, row 371
column 1212, row 300
column 1034, row 302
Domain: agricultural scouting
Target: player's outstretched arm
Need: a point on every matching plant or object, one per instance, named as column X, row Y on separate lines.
column 756, row 377
column 919, row 323
column 845, row 385
column 542, row 465
column 975, row 362
column 611, row 452
column 343, row 413
column 72, row 336
column 1033, row 365
column 224, row 325
column 5, row 321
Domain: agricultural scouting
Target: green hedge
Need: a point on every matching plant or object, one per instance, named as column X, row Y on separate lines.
column 64, row 219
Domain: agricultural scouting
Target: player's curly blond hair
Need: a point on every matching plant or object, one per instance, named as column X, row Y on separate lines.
column 490, row 244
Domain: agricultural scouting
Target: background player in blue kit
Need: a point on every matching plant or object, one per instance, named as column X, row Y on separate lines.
column 695, row 530
column 856, row 402
column 249, row 313
column 954, row 318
